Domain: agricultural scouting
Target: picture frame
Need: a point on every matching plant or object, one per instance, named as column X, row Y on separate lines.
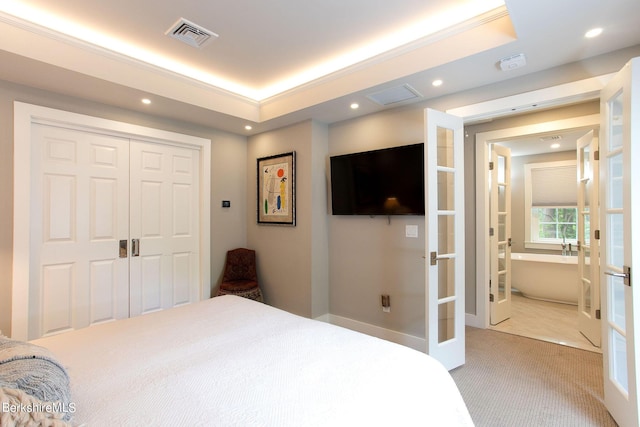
column 276, row 179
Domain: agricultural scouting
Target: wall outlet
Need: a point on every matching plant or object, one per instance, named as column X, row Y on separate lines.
column 386, row 303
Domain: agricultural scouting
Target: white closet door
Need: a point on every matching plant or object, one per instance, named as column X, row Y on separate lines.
column 79, row 214
column 164, row 226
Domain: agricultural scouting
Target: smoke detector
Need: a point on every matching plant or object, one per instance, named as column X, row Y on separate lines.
column 190, row 33
column 512, row 62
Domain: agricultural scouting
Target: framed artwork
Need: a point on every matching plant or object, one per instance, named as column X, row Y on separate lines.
column 277, row 189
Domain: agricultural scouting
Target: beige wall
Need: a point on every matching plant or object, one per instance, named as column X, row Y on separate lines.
column 324, row 264
column 370, row 256
column 228, row 176
column 292, row 261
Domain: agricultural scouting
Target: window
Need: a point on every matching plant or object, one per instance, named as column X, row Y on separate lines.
column 551, row 212
column 554, row 224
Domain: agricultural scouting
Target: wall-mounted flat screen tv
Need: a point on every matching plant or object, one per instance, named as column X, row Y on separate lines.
column 379, row 182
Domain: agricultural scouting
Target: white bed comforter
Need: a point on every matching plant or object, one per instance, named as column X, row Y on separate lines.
column 229, row 361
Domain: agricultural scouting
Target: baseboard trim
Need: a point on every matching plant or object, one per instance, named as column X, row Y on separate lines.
column 411, row 341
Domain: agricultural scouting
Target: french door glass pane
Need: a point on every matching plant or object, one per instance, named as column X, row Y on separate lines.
column 446, row 237
column 587, row 263
column 502, row 198
column 616, row 240
column 619, row 359
column 586, row 290
column 615, row 181
column 502, row 164
column 502, row 227
column 446, row 322
column 586, row 238
column 446, row 278
column 502, row 280
column 446, row 181
column 615, row 137
column 445, row 147
column 616, row 302
column 502, row 262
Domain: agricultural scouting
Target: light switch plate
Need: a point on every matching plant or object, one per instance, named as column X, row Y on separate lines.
column 411, row 231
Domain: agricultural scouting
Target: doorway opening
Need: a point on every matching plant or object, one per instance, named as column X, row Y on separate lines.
column 536, row 318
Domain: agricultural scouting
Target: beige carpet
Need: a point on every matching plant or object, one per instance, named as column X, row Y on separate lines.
column 509, row 380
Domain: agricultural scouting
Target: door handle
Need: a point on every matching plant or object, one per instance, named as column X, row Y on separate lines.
column 123, row 250
column 135, row 247
column 626, row 275
column 434, row 258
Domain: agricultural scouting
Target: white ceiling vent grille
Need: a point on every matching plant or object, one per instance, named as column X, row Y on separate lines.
column 394, row 95
column 551, row 138
column 190, row 33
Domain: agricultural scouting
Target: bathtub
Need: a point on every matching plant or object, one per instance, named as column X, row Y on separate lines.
column 545, row 277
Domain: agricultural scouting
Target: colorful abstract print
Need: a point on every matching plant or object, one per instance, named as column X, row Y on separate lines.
column 275, row 189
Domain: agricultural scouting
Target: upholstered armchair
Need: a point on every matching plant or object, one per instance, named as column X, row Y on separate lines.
column 240, row 277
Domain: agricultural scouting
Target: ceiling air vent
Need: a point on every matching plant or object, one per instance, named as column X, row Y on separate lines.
column 551, row 138
column 190, row 33
column 394, row 95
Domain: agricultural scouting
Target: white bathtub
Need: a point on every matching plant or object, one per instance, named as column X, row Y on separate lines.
column 545, row 277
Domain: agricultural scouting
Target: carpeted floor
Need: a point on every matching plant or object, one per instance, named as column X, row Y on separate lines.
column 509, row 380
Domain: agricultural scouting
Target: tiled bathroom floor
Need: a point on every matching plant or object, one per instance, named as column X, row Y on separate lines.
column 545, row 321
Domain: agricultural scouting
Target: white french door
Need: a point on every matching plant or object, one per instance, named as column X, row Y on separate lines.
column 620, row 170
column 588, row 244
column 444, row 216
column 500, row 238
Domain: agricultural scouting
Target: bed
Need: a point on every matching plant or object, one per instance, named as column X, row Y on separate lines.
column 230, row 361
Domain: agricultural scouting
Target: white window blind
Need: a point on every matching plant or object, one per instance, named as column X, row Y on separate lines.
column 554, row 185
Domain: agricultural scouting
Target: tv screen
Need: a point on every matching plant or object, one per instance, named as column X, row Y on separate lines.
column 380, row 182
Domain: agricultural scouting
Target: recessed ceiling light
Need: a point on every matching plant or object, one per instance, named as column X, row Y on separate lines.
column 556, row 145
column 437, row 83
column 146, row 101
column 594, row 32
column 355, row 106
column 248, row 127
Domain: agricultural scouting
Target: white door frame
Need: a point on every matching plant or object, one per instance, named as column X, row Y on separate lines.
column 481, row 318
column 27, row 114
column 554, row 96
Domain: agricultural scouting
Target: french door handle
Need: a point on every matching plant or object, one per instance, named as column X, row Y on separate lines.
column 626, row 275
column 434, row 258
column 135, row 247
